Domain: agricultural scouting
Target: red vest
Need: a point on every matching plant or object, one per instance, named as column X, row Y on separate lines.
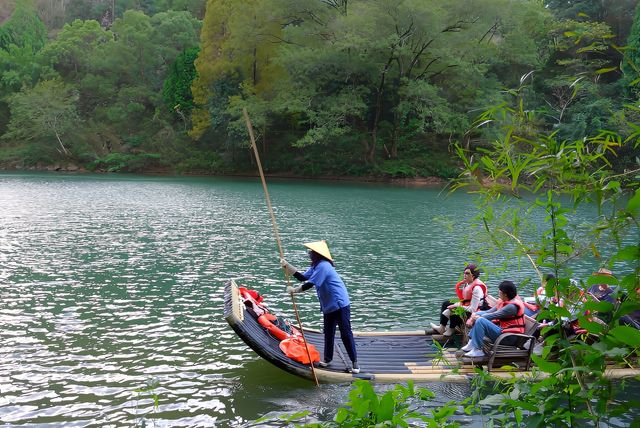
column 465, row 294
column 511, row 324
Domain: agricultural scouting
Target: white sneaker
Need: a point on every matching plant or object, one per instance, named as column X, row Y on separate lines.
column 355, row 367
column 437, row 328
column 468, row 347
column 474, row 353
column 448, row 332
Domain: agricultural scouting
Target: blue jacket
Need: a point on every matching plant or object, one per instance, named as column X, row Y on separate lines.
column 332, row 293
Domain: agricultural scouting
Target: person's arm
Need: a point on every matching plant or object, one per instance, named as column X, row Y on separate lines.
column 475, row 315
column 293, row 271
column 304, row 287
column 508, row 311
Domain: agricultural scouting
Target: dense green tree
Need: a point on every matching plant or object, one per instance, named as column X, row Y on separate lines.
column 385, row 84
column 134, row 53
column 174, row 32
column 24, row 28
column 238, row 43
column 176, row 91
column 44, row 114
column 617, row 14
column 103, row 10
column 196, row 7
column 21, row 37
column 19, row 67
column 571, row 88
column 71, row 53
column 402, row 65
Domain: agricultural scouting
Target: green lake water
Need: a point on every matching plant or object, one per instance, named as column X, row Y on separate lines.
column 108, row 282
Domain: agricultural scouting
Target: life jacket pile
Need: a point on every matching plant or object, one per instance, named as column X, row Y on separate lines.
column 292, row 343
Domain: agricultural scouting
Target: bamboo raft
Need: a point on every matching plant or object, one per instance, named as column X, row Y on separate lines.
column 394, row 356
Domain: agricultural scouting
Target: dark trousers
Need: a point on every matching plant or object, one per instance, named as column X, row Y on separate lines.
column 342, row 319
column 455, row 319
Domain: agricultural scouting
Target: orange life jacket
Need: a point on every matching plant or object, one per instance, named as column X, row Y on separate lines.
column 512, row 324
column 465, row 294
column 270, row 322
column 295, row 348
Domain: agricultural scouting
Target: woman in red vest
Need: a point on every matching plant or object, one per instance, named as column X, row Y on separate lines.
column 471, row 293
column 506, row 317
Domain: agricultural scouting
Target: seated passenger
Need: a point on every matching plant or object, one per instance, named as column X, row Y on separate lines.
column 603, row 292
column 506, row 317
column 533, row 305
column 471, row 293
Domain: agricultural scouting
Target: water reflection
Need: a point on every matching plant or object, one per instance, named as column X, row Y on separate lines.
column 110, row 282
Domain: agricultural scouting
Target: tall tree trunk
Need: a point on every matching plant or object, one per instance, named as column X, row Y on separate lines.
column 371, row 152
column 368, row 145
column 370, row 155
column 64, row 149
column 395, row 135
column 54, row 126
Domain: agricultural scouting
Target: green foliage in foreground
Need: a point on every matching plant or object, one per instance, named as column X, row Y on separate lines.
column 392, row 408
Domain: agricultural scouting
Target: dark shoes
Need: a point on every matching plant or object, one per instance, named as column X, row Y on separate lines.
column 355, row 367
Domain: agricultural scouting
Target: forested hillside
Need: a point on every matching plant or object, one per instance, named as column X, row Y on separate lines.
column 333, row 87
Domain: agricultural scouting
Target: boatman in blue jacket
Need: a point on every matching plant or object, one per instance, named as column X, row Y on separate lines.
column 333, row 297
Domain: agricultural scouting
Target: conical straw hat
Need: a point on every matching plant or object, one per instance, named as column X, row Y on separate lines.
column 320, row 247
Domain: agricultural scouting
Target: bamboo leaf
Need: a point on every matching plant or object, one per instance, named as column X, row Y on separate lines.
column 386, row 408
column 629, row 253
column 627, row 335
column 546, row 366
column 606, row 70
column 633, row 206
column 602, row 306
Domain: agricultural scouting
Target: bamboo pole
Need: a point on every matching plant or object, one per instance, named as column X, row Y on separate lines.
column 277, row 235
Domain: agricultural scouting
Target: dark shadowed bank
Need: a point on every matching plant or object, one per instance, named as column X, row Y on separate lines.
column 397, row 181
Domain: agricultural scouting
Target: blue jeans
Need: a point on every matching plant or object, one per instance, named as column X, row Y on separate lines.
column 342, row 319
column 481, row 328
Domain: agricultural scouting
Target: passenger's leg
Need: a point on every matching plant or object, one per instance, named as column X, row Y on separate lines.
column 481, row 328
column 443, row 318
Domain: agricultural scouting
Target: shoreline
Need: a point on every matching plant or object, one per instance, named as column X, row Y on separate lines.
column 396, row 181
